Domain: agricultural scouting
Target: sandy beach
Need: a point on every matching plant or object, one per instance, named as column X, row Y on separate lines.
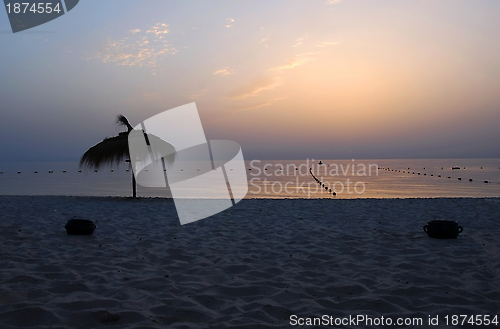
column 256, row 265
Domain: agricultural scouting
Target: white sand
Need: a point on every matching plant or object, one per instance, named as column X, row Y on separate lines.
column 252, row 266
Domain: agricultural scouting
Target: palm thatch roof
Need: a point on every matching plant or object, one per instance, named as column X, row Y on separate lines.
column 111, row 150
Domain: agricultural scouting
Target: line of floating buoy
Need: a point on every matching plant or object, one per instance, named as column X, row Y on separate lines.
column 432, row 175
column 321, row 183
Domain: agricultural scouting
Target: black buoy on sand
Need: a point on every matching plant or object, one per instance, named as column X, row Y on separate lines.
column 80, row 227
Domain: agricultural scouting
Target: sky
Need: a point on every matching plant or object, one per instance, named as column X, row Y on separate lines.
column 288, row 79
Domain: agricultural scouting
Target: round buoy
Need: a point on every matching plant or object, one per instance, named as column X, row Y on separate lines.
column 470, row 180
column 334, row 193
column 459, row 178
column 439, row 175
column 486, row 182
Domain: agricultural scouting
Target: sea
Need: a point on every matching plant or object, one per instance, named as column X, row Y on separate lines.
column 307, row 178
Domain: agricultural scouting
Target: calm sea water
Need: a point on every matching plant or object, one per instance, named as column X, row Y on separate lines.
column 279, row 179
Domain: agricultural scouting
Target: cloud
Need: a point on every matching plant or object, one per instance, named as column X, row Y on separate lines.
column 255, row 87
column 274, row 79
column 332, row 2
column 264, row 41
column 261, row 105
column 327, row 44
column 225, row 71
column 198, row 94
column 229, row 22
column 299, row 41
column 295, row 61
column 152, row 96
column 140, row 48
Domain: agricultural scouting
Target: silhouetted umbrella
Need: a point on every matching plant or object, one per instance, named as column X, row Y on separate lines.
column 111, row 150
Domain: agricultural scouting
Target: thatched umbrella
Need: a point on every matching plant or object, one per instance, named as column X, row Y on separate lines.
column 111, row 150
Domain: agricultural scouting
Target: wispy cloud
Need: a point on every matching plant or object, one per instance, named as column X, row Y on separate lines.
column 260, row 105
column 198, row 94
column 229, row 22
column 295, row 61
column 141, row 48
column 254, row 88
column 225, row 71
column 152, row 96
column 332, row 2
column 327, row 44
column 264, row 41
column 274, row 79
column 299, row 41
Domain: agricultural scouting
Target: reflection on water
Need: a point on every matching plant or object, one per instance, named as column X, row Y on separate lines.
column 278, row 179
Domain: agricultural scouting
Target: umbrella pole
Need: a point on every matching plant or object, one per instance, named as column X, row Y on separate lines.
column 134, row 183
column 134, row 186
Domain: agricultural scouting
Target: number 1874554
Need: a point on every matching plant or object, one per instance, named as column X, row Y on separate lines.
column 36, row 8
